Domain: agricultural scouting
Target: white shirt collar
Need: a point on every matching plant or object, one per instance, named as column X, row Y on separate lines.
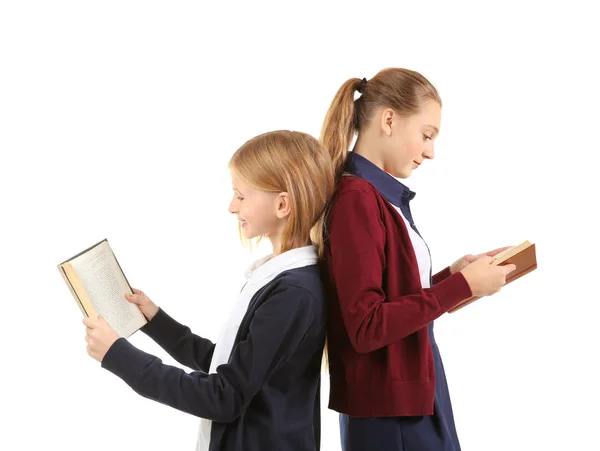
column 268, row 266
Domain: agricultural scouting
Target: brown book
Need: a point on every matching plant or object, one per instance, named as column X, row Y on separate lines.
column 523, row 256
column 99, row 285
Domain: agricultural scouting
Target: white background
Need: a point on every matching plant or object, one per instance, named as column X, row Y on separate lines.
column 117, row 120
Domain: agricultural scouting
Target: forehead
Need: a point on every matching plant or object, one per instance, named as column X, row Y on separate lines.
column 236, row 181
column 430, row 114
column 240, row 185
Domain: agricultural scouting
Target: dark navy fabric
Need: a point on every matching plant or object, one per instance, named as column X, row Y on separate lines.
column 393, row 190
column 435, row 432
column 267, row 397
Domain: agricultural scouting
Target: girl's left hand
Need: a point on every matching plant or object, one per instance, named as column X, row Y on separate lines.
column 99, row 336
column 462, row 262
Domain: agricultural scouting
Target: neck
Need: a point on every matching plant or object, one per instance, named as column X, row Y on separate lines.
column 276, row 244
column 366, row 147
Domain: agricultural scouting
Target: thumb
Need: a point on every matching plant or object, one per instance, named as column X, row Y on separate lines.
column 133, row 298
column 509, row 268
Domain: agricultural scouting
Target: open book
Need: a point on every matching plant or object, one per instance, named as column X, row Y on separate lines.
column 98, row 284
column 522, row 256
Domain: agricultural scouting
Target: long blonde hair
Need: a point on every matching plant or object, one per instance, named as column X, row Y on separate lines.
column 295, row 163
column 403, row 90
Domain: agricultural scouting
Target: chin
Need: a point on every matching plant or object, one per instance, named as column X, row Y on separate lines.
column 404, row 174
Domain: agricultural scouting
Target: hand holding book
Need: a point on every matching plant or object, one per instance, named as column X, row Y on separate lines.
column 98, row 285
column 144, row 303
column 462, row 262
column 515, row 262
column 99, row 337
column 484, row 278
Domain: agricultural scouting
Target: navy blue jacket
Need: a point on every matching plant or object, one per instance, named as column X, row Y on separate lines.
column 268, row 396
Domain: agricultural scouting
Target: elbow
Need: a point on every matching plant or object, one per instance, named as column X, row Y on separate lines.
column 364, row 337
column 362, row 345
column 229, row 408
column 227, row 415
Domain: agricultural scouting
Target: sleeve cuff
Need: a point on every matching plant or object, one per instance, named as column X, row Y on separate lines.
column 452, row 290
column 160, row 323
column 443, row 274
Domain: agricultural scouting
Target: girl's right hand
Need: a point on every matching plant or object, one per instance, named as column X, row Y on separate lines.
column 147, row 307
column 484, row 278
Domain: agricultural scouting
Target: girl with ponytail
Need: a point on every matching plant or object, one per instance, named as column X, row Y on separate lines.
column 387, row 377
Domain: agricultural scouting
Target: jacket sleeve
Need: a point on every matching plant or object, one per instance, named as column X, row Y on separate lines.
column 357, row 244
column 275, row 331
column 180, row 343
column 442, row 275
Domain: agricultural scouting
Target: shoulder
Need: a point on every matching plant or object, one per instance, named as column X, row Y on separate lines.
column 300, row 288
column 353, row 192
column 354, row 203
column 305, row 281
column 349, row 184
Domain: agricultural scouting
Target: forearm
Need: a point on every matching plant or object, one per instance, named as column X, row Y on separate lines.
column 180, row 343
column 197, row 393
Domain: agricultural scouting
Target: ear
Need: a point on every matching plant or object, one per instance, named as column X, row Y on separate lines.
column 283, row 205
column 387, row 117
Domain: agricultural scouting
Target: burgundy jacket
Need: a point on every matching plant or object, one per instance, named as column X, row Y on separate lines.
column 380, row 359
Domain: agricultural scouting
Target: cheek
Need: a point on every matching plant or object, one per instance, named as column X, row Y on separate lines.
column 417, row 146
column 406, row 151
column 257, row 213
column 414, row 151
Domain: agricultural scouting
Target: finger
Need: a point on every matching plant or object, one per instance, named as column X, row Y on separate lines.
column 486, row 258
column 91, row 323
column 133, row 298
column 509, row 268
column 497, row 251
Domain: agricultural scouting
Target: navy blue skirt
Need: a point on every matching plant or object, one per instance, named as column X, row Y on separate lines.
column 421, row 433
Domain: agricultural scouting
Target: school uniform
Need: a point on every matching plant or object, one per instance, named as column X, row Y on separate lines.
column 387, row 376
column 258, row 388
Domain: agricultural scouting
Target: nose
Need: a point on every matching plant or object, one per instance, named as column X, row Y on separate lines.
column 232, row 207
column 428, row 151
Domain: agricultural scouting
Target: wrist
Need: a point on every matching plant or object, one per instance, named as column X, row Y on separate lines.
column 151, row 312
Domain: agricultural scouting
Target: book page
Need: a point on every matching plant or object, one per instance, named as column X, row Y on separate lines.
column 106, row 287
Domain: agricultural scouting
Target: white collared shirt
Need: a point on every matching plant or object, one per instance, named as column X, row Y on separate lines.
column 421, row 252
